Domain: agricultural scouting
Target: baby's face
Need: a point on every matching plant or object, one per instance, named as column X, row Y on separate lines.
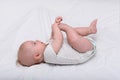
column 36, row 46
column 31, row 52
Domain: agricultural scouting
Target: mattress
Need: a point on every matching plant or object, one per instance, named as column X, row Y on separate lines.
column 23, row 20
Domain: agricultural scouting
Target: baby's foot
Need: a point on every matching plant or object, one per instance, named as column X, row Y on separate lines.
column 62, row 26
column 92, row 27
column 58, row 19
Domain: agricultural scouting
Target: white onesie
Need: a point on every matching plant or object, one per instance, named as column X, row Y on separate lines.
column 67, row 55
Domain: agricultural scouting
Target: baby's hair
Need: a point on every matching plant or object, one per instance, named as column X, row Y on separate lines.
column 18, row 63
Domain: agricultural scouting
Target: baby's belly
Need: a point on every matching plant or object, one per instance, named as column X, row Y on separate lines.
column 68, row 52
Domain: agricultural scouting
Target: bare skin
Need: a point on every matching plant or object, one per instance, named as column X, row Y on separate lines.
column 57, row 35
column 75, row 36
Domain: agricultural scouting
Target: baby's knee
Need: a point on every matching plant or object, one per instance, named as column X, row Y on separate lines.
column 72, row 40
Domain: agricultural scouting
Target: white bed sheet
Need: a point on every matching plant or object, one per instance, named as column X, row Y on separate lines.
column 30, row 20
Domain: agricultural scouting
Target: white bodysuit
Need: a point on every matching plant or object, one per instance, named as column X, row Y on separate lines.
column 67, row 55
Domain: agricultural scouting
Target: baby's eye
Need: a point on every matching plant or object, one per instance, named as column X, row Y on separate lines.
column 34, row 43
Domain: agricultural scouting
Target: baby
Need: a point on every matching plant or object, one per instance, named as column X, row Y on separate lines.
column 56, row 51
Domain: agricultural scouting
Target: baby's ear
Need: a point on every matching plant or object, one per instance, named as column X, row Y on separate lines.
column 36, row 56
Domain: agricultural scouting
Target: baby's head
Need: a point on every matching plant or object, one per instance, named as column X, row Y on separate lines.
column 31, row 52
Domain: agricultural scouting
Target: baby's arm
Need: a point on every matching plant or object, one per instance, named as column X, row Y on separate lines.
column 56, row 35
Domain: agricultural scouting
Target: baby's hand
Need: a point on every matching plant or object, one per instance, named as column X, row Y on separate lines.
column 58, row 19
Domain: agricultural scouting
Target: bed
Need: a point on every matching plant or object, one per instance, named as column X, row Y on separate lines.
column 23, row 20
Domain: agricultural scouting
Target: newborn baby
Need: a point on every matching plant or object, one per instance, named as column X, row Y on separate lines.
column 78, row 48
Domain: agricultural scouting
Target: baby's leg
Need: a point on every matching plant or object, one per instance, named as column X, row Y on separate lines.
column 84, row 31
column 75, row 40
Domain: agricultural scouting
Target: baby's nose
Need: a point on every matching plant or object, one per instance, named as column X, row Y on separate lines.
column 38, row 41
